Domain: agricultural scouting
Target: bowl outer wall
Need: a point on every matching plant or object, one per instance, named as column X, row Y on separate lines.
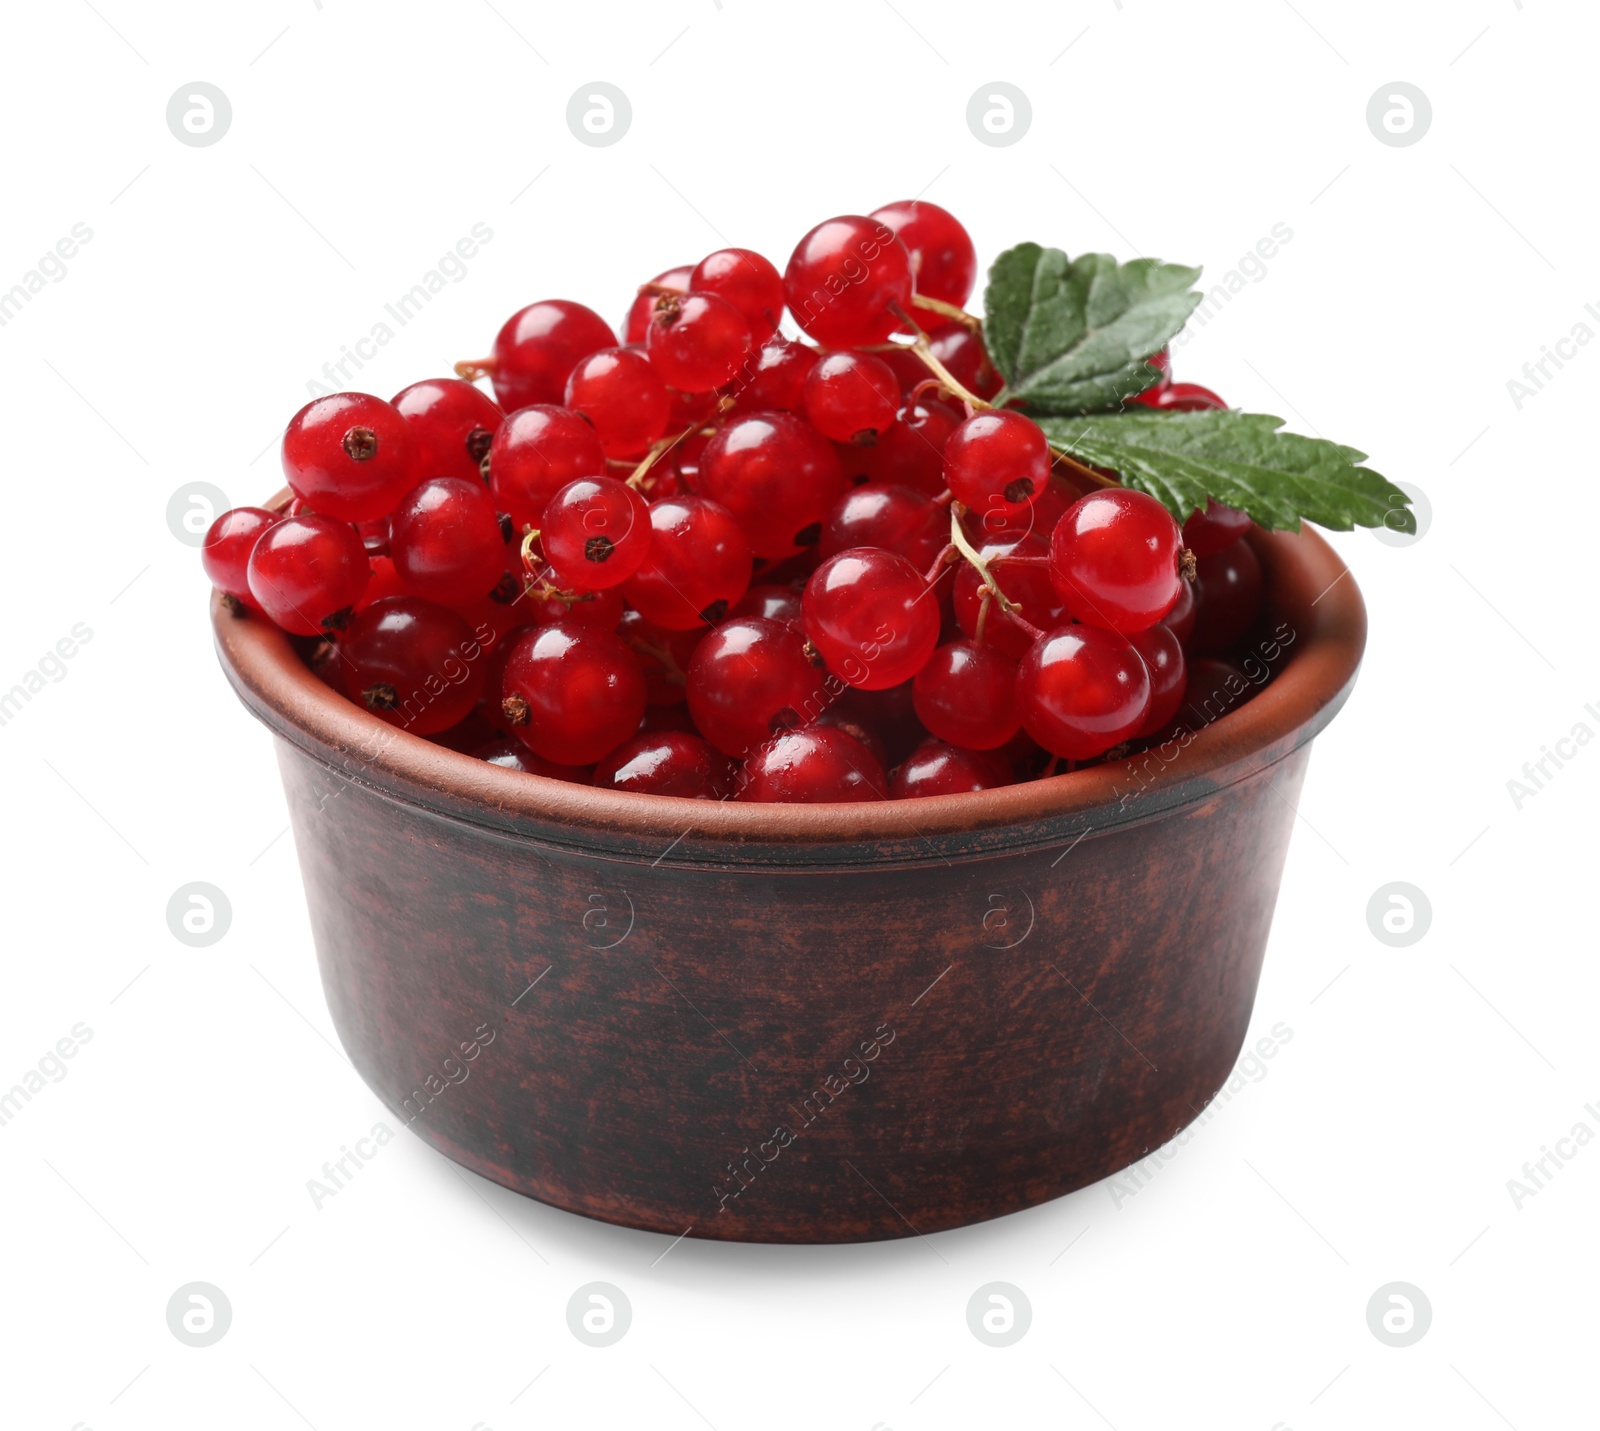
column 793, row 1024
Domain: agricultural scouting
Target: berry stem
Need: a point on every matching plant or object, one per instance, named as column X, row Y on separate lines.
column 958, row 539
column 471, row 369
column 656, row 453
column 967, row 320
column 948, row 555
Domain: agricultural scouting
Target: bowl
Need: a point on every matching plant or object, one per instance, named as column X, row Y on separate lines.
column 788, row 1023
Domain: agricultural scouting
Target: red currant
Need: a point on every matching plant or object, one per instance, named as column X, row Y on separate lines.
column 350, row 456
column 698, row 566
column 966, row 695
column 777, row 475
column 818, row 764
column 871, row 616
column 384, row 581
column 967, row 361
column 1159, row 649
column 454, row 424
column 536, row 452
column 596, row 533
column 412, row 663
column 664, row 656
column 668, row 762
column 637, row 325
column 1114, row 559
column 935, row 768
column 1180, row 620
column 944, row 264
column 851, row 397
column 306, row 573
column 697, row 342
column 538, row 347
column 910, row 451
column 894, row 518
column 1214, row 688
column 1027, row 585
column 748, row 281
column 845, row 278
column 774, row 380
column 750, row 679
column 514, row 755
column 1179, row 397
column 996, row 462
column 446, row 541
column 571, row 692
column 1228, row 592
column 1216, row 527
column 774, row 603
column 225, row 553
column 1081, row 690
column 623, row 396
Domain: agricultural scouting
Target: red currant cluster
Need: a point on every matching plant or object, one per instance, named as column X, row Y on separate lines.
column 719, row 562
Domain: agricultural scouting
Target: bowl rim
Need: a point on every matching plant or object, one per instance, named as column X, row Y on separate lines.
column 1306, row 582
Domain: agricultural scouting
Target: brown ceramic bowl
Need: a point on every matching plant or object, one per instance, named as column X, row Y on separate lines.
column 800, row 1023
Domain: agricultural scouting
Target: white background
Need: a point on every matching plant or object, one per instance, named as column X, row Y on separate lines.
column 366, row 140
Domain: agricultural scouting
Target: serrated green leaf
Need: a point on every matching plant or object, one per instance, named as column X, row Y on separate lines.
column 1072, row 335
column 1241, row 459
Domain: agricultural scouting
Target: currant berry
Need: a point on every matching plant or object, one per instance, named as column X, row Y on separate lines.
column 636, row 327
column 890, row 716
column 904, row 362
column 1162, row 654
column 944, row 264
column 1081, row 690
column 225, row 553
column 539, row 346
column 306, row 573
column 572, row 693
column 964, row 357
column 817, row 764
column 1208, row 531
column 667, row 762
column 774, row 379
column 851, row 723
column 512, row 754
column 935, row 768
column 454, row 424
column 446, row 541
column 1214, row 688
column 844, row 279
column 698, row 566
column 749, row 680
column 674, row 717
column 412, row 663
column 966, row 695
column 746, row 280
column 777, row 475
column 1179, row 397
column 851, row 397
column 867, row 616
column 910, row 451
column 1227, row 592
column 350, row 456
column 894, row 518
column 663, row 656
column 697, row 342
column 1180, row 620
column 996, row 462
column 1028, row 586
column 384, row 581
column 623, row 396
column 1114, row 559
column 536, row 452
column 595, row 533
column 601, row 609
column 773, row 603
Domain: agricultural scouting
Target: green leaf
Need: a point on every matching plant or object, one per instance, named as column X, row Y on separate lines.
column 1240, row 459
column 1072, row 335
